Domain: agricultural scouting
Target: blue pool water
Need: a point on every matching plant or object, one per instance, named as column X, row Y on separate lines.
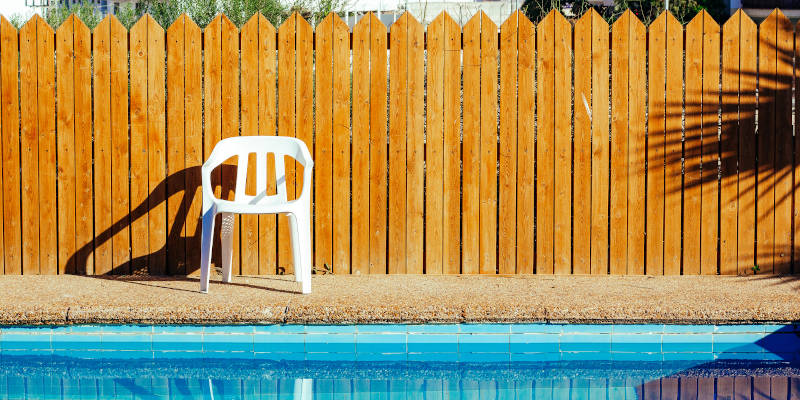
column 403, row 361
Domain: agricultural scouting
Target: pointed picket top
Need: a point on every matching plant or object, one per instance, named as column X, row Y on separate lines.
column 178, row 25
column 6, row 24
column 481, row 22
column 703, row 22
column 628, row 21
column 33, row 21
column 71, row 23
column 258, row 21
column 511, row 21
column 776, row 14
column 591, row 20
column 145, row 22
column 405, row 20
column 445, row 19
column 736, row 21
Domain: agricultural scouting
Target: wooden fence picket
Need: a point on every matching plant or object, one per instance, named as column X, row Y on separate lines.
column 462, row 144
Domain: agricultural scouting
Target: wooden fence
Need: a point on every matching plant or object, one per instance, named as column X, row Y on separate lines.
column 553, row 148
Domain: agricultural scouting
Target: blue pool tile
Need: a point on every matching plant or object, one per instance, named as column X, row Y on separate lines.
column 433, row 328
column 228, row 343
column 485, row 328
column 381, row 343
column 382, row 328
column 748, row 356
column 77, row 342
column 280, row 356
column 331, row 356
column 636, row 343
column 422, row 343
column 330, row 343
column 585, row 356
column 21, row 341
column 81, row 354
column 26, row 353
column 586, row 328
column 166, row 355
column 738, row 342
column 230, row 329
column 127, row 355
column 230, row 355
column 586, row 342
column 116, row 329
column 688, row 356
column 433, row 357
column 182, row 342
column 283, row 329
column 739, row 329
column 483, row 343
column 287, row 343
column 378, row 357
column 535, row 357
column 330, row 329
column 470, row 357
column 534, row 343
column 126, row 342
column 778, row 328
column 781, row 342
column 688, row 328
column 536, row 328
column 623, row 356
column 85, row 329
column 639, row 328
column 685, row 343
column 185, row 329
column 27, row 330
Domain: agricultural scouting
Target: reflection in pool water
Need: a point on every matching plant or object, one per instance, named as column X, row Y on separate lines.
column 31, row 378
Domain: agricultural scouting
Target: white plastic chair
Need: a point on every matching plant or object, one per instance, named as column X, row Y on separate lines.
column 298, row 210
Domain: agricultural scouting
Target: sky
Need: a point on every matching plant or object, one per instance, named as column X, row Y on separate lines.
column 11, row 7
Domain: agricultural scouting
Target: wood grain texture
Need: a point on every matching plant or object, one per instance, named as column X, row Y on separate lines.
column 415, row 151
column 378, row 152
column 29, row 146
column 656, row 137
column 398, row 109
column 729, row 152
column 340, row 35
column 46, row 118
column 267, row 123
column 709, row 228
column 193, row 142
column 84, row 216
column 637, row 146
column 229, row 81
column 784, row 59
column 103, row 219
column 526, row 146
column 748, row 42
column 305, row 96
column 488, row 146
column 139, row 193
column 507, row 151
column 323, row 145
column 9, row 106
column 673, row 146
column 562, row 113
column 600, row 151
column 286, row 126
column 156, row 149
column 693, row 146
column 582, row 163
column 360, row 145
column 545, row 143
column 434, row 145
column 621, row 48
column 120, row 152
column 65, row 131
column 175, row 146
column 471, row 147
column 766, row 138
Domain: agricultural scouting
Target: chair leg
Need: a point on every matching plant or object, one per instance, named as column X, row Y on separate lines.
column 226, row 241
column 205, row 251
column 301, row 248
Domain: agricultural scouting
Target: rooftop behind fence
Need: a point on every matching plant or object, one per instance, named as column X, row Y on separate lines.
column 551, row 148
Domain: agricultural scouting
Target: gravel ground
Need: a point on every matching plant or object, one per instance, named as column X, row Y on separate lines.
column 72, row 299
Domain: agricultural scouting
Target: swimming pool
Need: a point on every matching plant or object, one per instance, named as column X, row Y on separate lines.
column 389, row 362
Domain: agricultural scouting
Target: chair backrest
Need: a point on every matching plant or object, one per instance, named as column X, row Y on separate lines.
column 261, row 146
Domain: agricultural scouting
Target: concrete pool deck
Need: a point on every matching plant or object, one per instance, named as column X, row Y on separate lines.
column 69, row 299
